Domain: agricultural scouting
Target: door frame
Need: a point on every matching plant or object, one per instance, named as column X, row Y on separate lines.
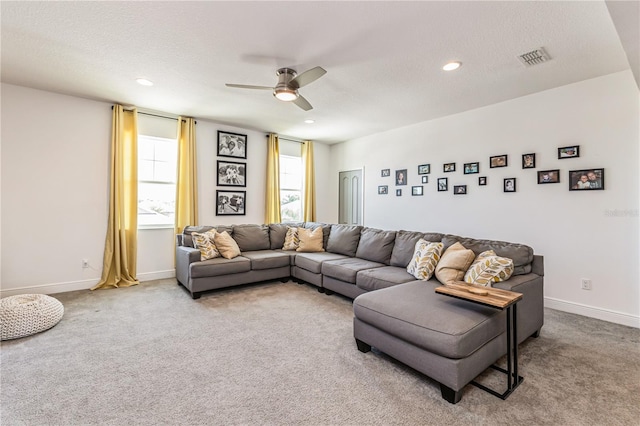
column 361, row 169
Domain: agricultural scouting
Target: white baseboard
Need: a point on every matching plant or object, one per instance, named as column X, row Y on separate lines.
column 592, row 312
column 79, row 285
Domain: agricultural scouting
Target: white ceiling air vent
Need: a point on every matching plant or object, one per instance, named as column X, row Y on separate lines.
column 534, row 57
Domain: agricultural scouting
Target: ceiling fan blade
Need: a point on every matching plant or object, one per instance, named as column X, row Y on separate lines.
column 308, row 76
column 303, row 103
column 247, row 86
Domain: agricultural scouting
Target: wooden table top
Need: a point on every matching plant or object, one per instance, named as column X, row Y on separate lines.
column 495, row 297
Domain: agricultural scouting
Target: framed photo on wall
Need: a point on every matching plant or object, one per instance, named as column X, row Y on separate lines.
column 586, row 180
column 549, row 176
column 398, row 192
column 383, row 189
column 510, row 185
column 230, row 203
column 401, row 177
column 459, row 189
column 385, row 172
column 232, row 145
column 482, row 180
column 498, row 161
column 528, row 161
column 569, row 152
column 449, row 167
column 425, row 179
column 443, row 184
column 424, row 169
column 417, row 190
column 471, row 168
column 231, row 173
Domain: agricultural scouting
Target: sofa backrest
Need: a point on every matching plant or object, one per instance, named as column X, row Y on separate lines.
column 343, row 239
column 521, row 254
column 405, row 244
column 186, row 233
column 278, row 231
column 376, row 245
column 252, row 237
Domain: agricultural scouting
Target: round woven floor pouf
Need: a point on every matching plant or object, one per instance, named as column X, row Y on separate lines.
column 27, row 314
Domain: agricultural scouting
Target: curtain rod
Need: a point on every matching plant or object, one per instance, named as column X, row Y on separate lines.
column 159, row 116
column 290, row 140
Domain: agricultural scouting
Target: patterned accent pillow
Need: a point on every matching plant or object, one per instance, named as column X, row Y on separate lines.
column 204, row 243
column 291, row 240
column 426, row 256
column 226, row 245
column 310, row 240
column 488, row 269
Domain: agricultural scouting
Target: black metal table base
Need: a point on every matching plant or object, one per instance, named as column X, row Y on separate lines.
column 513, row 379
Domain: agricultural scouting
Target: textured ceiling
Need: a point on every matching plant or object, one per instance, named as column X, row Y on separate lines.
column 383, row 59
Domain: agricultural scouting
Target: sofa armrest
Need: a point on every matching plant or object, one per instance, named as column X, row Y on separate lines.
column 179, row 240
column 537, row 266
column 184, row 257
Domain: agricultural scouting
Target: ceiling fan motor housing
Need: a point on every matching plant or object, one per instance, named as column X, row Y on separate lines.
column 286, row 90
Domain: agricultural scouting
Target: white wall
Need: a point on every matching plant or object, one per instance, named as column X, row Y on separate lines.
column 575, row 231
column 54, row 176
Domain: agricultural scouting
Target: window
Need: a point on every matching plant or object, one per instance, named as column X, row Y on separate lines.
column 290, row 188
column 157, row 168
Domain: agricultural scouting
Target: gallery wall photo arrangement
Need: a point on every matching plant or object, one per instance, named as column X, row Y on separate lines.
column 232, row 145
column 230, row 203
column 569, row 152
column 586, row 180
column 498, row 161
column 231, row 173
column 549, row 176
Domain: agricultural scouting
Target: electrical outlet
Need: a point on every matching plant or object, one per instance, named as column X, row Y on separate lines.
column 85, row 263
column 585, row 283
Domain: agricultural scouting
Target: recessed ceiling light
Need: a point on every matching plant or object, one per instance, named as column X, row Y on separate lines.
column 144, row 82
column 309, row 121
column 452, row 66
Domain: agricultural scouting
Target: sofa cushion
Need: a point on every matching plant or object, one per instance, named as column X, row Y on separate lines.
column 219, row 266
column 454, row 264
column 291, row 254
column 487, row 268
column 414, row 312
column 277, row 232
column 425, row 258
column 205, row 244
column 310, row 240
column 405, row 244
column 226, row 245
column 343, row 239
column 312, row 262
column 326, row 230
column 383, row 277
column 521, row 254
column 251, row 237
column 375, row 245
column 291, row 239
column 266, row 259
column 347, row 269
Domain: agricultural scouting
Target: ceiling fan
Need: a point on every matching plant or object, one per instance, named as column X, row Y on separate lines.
column 288, row 84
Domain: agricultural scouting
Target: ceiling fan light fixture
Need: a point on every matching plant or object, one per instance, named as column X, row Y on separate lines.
column 144, row 82
column 452, row 66
column 285, row 94
column 309, row 121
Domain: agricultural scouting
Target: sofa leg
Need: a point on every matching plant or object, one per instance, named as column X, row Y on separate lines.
column 320, row 290
column 450, row 395
column 196, row 295
column 536, row 334
column 362, row 346
column 300, row 282
column 328, row 292
column 284, row 280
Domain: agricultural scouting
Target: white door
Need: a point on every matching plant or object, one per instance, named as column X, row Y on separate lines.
column 350, row 204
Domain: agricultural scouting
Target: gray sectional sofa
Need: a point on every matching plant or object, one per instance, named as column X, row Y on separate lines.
column 450, row 340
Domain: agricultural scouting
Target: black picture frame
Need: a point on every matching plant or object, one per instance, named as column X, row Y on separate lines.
column 529, row 161
column 594, row 180
column 498, row 161
column 548, row 176
column 449, row 167
column 385, row 172
column 424, row 169
column 471, row 168
column 398, row 192
column 509, row 185
column 459, row 189
column 443, row 184
column 401, row 177
column 231, row 203
column 425, row 179
column 231, row 173
column 482, row 180
column 383, row 190
column 417, row 190
column 568, row 152
column 232, row 145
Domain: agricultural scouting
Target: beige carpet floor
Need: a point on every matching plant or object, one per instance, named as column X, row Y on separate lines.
column 284, row 354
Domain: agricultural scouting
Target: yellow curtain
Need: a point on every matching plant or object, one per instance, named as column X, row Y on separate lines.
column 120, row 249
column 186, row 187
column 272, row 210
column 309, row 190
